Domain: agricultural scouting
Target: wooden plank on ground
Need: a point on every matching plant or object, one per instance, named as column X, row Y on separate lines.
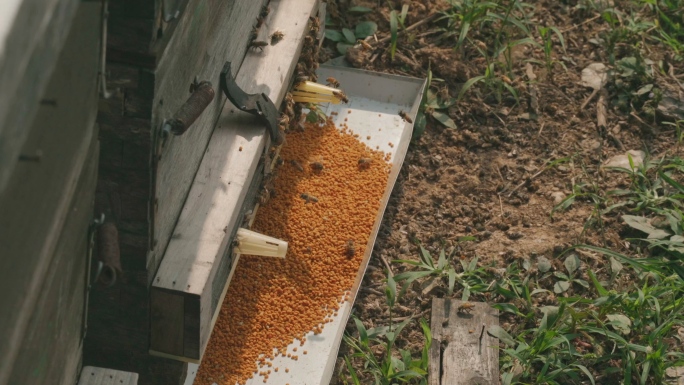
column 35, row 205
column 32, row 33
column 462, row 352
column 200, row 244
column 91, row 375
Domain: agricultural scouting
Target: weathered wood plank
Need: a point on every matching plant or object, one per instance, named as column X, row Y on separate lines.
column 51, row 349
column 91, row 375
column 171, row 321
column 201, row 238
column 209, row 33
column 32, row 34
column 462, row 352
column 36, row 200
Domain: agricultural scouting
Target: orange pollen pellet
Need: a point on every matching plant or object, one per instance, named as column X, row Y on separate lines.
column 258, row 327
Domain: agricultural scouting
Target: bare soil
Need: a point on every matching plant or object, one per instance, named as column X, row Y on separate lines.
column 487, row 178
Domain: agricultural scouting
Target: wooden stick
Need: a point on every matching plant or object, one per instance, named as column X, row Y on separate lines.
column 580, row 24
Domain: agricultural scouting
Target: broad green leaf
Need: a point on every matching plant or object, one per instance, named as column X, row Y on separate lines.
column 444, row 119
column 526, row 264
column 397, row 364
column 365, row 29
column 561, row 287
column 572, row 263
column 620, row 323
column 498, row 332
column 333, row 35
column 643, row 224
column 543, row 264
column 349, row 35
column 343, row 47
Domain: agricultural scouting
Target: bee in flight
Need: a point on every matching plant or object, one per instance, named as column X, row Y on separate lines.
column 405, row 116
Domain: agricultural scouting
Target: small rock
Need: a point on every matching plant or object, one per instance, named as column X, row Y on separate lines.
column 557, row 197
column 622, row 161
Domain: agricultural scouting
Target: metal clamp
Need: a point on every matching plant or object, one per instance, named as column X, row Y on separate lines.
column 255, row 104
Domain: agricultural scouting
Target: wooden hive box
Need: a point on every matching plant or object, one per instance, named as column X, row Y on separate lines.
column 156, row 49
column 191, row 282
column 48, row 173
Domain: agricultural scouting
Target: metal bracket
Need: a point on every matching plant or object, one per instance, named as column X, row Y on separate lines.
column 255, row 104
column 92, row 230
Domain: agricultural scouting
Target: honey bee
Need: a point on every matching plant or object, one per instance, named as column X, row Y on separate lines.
column 297, row 165
column 301, row 79
column 350, row 248
column 308, row 40
column 333, row 82
column 284, row 120
column 365, row 162
column 254, row 34
column 364, row 45
column 264, row 196
column 258, row 45
column 466, row 308
column 315, row 25
column 264, row 11
column 309, row 198
column 317, row 166
column 405, row 116
column 341, row 95
column 276, row 37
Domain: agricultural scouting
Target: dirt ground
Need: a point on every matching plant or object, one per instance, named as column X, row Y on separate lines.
column 488, row 178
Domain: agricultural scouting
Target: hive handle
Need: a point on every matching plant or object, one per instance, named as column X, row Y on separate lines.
column 202, row 95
